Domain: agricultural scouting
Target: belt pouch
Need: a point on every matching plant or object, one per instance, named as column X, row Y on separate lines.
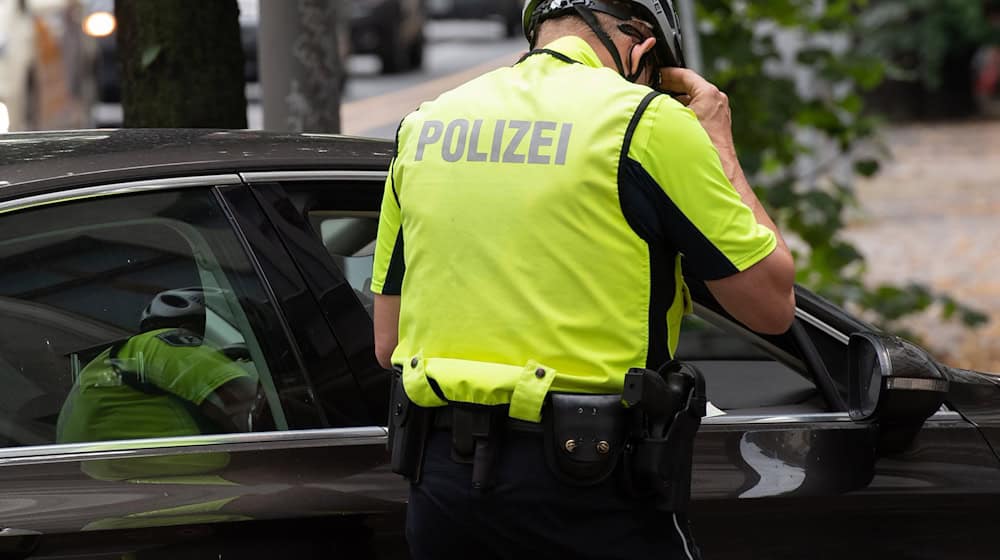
column 409, row 426
column 584, row 436
column 660, row 467
column 476, row 439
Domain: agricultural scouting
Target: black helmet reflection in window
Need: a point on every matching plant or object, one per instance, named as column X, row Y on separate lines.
column 178, row 308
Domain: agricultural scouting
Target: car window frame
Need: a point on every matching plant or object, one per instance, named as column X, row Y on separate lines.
column 324, row 279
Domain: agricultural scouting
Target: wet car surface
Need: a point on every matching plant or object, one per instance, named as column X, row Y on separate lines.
column 281, row 229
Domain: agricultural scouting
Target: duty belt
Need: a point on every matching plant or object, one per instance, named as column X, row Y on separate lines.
column 444, row 419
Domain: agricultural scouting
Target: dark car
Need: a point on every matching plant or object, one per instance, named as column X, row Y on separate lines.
column 391, row 29
column 507, row 11
column 836, row 441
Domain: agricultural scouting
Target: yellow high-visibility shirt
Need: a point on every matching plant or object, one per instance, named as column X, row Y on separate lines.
column 534, row 222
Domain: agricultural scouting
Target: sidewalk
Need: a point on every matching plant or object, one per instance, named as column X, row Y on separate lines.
column 933, row 216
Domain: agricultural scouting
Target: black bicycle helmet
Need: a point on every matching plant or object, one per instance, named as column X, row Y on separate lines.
column 174, row 308
column 659, row 14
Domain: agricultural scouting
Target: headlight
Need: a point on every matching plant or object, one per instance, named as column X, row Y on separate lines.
column 4, row 118
column 100, row 24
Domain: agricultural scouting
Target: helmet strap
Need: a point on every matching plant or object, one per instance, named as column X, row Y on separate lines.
column 591, row 20
column 642, row 63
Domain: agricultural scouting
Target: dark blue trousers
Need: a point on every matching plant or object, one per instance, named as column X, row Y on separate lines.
column 530, row 514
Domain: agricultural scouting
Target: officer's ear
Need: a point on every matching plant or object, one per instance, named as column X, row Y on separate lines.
column 641, row 52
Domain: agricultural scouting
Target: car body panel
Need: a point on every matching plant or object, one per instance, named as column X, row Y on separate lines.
column 322, row 473
column 936, row 500
column 42, row 162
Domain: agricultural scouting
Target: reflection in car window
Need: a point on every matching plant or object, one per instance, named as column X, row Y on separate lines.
column 740, row 376
column 125, row 317
column 340, row 214
column 349, row 237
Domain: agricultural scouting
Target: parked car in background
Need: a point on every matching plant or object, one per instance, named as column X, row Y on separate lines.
column 507, row 11
column 836, row 441
column 45, row 81
column 391, row 29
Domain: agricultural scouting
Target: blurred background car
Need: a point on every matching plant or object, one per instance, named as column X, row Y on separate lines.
column 508, row 11
column 44, row 65
column 391, row 29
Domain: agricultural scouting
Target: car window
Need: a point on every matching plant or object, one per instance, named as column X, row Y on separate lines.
column 341, row 217
column 740, row 375
column 349, row 237
column 130, row 317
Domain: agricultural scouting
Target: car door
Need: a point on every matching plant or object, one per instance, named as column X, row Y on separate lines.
column 784, row 475
column 105, row 451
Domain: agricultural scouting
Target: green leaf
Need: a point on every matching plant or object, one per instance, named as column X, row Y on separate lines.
column 149, row 56
column 973, row 318
column 867, row 167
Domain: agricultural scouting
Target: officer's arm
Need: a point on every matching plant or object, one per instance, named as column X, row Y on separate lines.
column 386, row 328
column 389, row 265
column 229, row 405
column 729, row 241
column 762, row 297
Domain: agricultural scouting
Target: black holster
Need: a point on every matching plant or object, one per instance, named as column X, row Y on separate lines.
column 409, row 426
column 585, row 436
column 658, row 461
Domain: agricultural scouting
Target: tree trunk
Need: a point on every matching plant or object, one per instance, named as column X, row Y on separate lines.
column 182, row 64
column 301, row 54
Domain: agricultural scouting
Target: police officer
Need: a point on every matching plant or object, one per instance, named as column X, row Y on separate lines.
column 533, row 231
column 165, row 381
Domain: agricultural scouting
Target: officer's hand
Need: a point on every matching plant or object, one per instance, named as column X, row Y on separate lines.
column 710, row 105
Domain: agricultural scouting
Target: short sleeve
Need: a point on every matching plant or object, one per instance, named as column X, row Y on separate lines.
column 705, row 218
column 179, row 362
column 389, row 265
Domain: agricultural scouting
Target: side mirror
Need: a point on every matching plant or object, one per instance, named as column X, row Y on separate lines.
column 895, row 383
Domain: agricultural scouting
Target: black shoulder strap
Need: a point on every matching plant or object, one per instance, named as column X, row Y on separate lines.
column 634, row 123
column 550, row 52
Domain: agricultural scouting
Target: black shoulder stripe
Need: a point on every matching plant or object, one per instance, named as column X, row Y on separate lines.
column 634, row 123
column 551, row 53
column 392, row 167
column 393, row 285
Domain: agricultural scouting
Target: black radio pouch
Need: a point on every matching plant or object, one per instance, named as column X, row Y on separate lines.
column 409, row 426
column 658, row 466
column 584, row 436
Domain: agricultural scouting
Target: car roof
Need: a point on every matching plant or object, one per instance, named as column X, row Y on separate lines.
column 37, row 162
